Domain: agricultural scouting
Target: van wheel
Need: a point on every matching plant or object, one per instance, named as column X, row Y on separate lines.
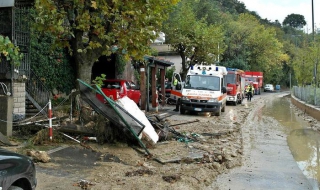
column 218, row 113
column 223, row 108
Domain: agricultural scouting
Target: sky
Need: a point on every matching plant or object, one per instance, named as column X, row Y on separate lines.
column 279, row 9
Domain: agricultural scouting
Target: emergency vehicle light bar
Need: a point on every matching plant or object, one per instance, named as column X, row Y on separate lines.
column 207, row 70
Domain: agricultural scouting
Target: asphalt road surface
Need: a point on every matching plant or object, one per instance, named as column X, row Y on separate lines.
column 268, row 162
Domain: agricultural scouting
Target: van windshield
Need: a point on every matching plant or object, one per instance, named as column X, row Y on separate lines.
column 202, row 82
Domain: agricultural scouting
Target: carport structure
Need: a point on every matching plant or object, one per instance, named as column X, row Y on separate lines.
column 150, row 71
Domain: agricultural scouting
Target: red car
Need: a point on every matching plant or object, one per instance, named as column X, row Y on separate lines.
column 118, row 88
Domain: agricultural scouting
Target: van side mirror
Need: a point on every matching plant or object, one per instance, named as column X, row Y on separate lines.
column 224, row 90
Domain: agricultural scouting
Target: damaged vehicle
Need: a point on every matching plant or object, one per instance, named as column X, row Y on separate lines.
column 17, row 172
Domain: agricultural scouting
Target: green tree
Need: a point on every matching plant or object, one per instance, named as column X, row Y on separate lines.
column 303, row 66
column 254, row 45
column 295, row 21
column 193, row 39
column 94, row 28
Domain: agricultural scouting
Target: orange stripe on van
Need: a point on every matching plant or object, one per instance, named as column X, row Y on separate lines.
column 176, row 93
column 222, row 97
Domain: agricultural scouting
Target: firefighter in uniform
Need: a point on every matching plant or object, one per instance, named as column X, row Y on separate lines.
column 175, row 84
column 249, row 92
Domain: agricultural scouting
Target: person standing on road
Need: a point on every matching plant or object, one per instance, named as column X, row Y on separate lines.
column 175, row 84
column 249, row 92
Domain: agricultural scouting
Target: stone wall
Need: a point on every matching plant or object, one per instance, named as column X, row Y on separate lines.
column 19, row 101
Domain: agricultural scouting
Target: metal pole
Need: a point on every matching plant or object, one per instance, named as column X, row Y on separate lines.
column 50, row 120
column 312, row 20
column 290, row 79
column 148, row 70
column 315, row 64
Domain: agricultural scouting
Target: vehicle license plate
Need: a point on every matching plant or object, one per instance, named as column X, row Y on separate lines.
column 197, row 109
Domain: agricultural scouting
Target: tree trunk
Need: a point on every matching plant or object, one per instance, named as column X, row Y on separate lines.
column 184, row 65
column 84, row 71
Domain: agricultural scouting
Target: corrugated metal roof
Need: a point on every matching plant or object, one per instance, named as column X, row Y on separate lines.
column 159, row 61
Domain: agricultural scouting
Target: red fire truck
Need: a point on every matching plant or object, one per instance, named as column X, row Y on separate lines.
column 235, row 80
column 256, row 78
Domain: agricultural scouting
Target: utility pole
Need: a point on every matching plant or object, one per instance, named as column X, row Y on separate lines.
column 315, row 64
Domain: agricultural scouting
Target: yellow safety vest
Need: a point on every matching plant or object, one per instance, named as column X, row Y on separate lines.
column 175, row 82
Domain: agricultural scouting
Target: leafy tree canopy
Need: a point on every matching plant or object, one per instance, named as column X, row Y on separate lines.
column 295, row 21
column 193, row 39
column 94, row 28
column 252, row 46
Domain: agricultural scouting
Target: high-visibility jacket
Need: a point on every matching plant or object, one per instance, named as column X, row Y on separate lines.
column 175, row 82
column 249, row 88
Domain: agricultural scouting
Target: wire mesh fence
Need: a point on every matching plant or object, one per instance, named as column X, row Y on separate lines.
column 308, row 94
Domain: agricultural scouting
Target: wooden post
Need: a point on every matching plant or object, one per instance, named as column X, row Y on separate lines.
column 154, row 85
column 143, row 87
column 163, row 88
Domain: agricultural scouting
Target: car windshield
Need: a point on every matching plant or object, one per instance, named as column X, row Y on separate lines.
column 111, row 85
column 202, row 82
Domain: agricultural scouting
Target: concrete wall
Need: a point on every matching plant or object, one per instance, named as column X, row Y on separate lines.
column 167, row 54
column 6, row 107
column 311, row 110
column 19, row 100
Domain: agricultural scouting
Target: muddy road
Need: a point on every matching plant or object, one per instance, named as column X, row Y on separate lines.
column 242, row 149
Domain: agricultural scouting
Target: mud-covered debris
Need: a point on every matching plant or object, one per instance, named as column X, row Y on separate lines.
column 187, row 160
column 140, row 172
column 39, row 156
column 171, row 178
column 84, row 184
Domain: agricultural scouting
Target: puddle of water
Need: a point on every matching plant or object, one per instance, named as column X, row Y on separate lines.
column 303, row 142
column 71, row 157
